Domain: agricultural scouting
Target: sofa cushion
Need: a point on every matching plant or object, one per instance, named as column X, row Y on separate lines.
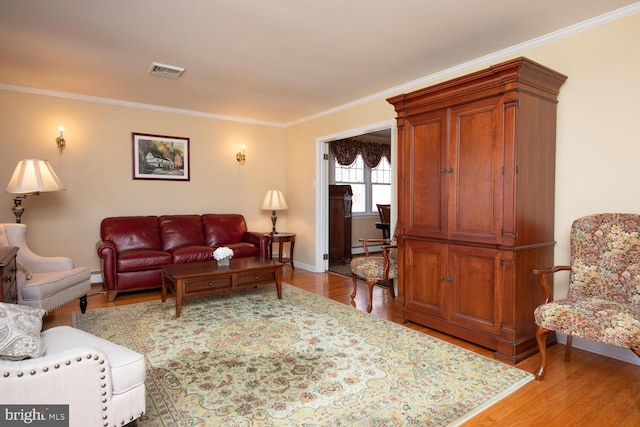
column 142, row 260
column 223, row 229
column 44, row 285
column 127, row 367
column 192, row 254
column 244, row 249
column 177, row 231
column 132, row 232
column 20, row 328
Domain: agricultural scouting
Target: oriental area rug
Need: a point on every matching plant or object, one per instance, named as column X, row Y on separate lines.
column 249, row 359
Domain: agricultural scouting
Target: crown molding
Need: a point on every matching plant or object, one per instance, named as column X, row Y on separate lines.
column 121, row 103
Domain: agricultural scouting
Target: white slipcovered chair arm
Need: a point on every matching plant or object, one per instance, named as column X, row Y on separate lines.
column 38, row 264
column 80, row 377
column 42, row 264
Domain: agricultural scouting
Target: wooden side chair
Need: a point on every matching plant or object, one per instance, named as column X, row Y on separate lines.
column 375, row 269
column 385, row 219
column 603, row 302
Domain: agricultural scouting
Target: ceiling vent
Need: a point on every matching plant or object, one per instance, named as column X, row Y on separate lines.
column 165, row 70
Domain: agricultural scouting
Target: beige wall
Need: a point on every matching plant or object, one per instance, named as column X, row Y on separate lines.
column 598, row 142
column 96, row 168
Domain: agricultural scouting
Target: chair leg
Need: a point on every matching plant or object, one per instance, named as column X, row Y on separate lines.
column 355, row 286
column 541, row 338
column 567, row 350
column 83, row 304
column 370, row 283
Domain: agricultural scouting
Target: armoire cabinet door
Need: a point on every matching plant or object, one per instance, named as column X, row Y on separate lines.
column 475, row 164
column 475, row 288
column 424, row 157
column 425, row 284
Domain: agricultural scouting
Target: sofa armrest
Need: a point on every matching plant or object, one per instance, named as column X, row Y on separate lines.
column 108, row 258
column 261, row 240
column 80, row 377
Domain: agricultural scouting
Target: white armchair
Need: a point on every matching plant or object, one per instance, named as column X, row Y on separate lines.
column 102, row 382
column 54, row 281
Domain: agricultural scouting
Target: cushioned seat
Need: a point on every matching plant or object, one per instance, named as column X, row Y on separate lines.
column 242, row 249
column 127, row 366
column 42, row 286
column 142, row 259
column 192, row 254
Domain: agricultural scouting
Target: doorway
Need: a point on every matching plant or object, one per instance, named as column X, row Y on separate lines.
column 322, row 183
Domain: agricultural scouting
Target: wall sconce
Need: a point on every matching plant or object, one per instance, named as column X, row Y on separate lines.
column 240, row 155
column 60, row 142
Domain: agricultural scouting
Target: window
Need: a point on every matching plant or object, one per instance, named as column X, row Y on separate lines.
column 369, row 186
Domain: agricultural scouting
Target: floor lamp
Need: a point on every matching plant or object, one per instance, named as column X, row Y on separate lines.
column 30, row 178
column 274, row 201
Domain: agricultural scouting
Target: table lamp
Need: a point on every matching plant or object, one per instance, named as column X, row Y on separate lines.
column 274, row 201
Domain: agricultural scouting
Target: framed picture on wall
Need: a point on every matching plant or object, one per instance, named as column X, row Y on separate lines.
column 160, row 157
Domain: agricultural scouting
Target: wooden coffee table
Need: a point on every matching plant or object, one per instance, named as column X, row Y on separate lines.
column 207, row 278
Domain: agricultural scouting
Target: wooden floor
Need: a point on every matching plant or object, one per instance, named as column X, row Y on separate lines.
column 591, row 390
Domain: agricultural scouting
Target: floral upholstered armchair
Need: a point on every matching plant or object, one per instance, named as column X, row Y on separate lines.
column 375, row 269
column 603, row 302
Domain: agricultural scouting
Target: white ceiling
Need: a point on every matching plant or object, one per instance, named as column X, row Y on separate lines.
column 273, row 61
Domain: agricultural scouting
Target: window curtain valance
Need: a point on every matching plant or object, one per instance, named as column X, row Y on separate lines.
column 346, row 150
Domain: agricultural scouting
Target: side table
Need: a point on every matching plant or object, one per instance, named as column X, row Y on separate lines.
column 281, row 239
column 8, row 288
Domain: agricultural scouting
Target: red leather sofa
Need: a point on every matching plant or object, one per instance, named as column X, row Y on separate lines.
column 132, row 248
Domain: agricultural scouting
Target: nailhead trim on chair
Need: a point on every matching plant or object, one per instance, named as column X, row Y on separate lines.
column 103, row 385
column 68, row 363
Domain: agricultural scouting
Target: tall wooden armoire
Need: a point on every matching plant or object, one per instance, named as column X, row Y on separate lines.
column 476, row 169
column 340, row 222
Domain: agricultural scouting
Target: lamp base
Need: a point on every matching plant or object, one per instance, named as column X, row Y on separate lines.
column 17, row 208
column 274, row 218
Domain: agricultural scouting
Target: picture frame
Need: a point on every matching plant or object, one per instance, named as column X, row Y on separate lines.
column 160, row 157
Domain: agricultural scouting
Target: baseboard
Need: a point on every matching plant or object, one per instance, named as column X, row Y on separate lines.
column 96, row 277
column 619, row 353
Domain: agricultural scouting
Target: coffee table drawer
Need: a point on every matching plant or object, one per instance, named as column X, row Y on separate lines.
column 256, row 277
column 207, row 283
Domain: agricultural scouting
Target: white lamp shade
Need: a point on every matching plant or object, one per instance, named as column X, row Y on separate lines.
column 31, row 176
column 274, row 201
